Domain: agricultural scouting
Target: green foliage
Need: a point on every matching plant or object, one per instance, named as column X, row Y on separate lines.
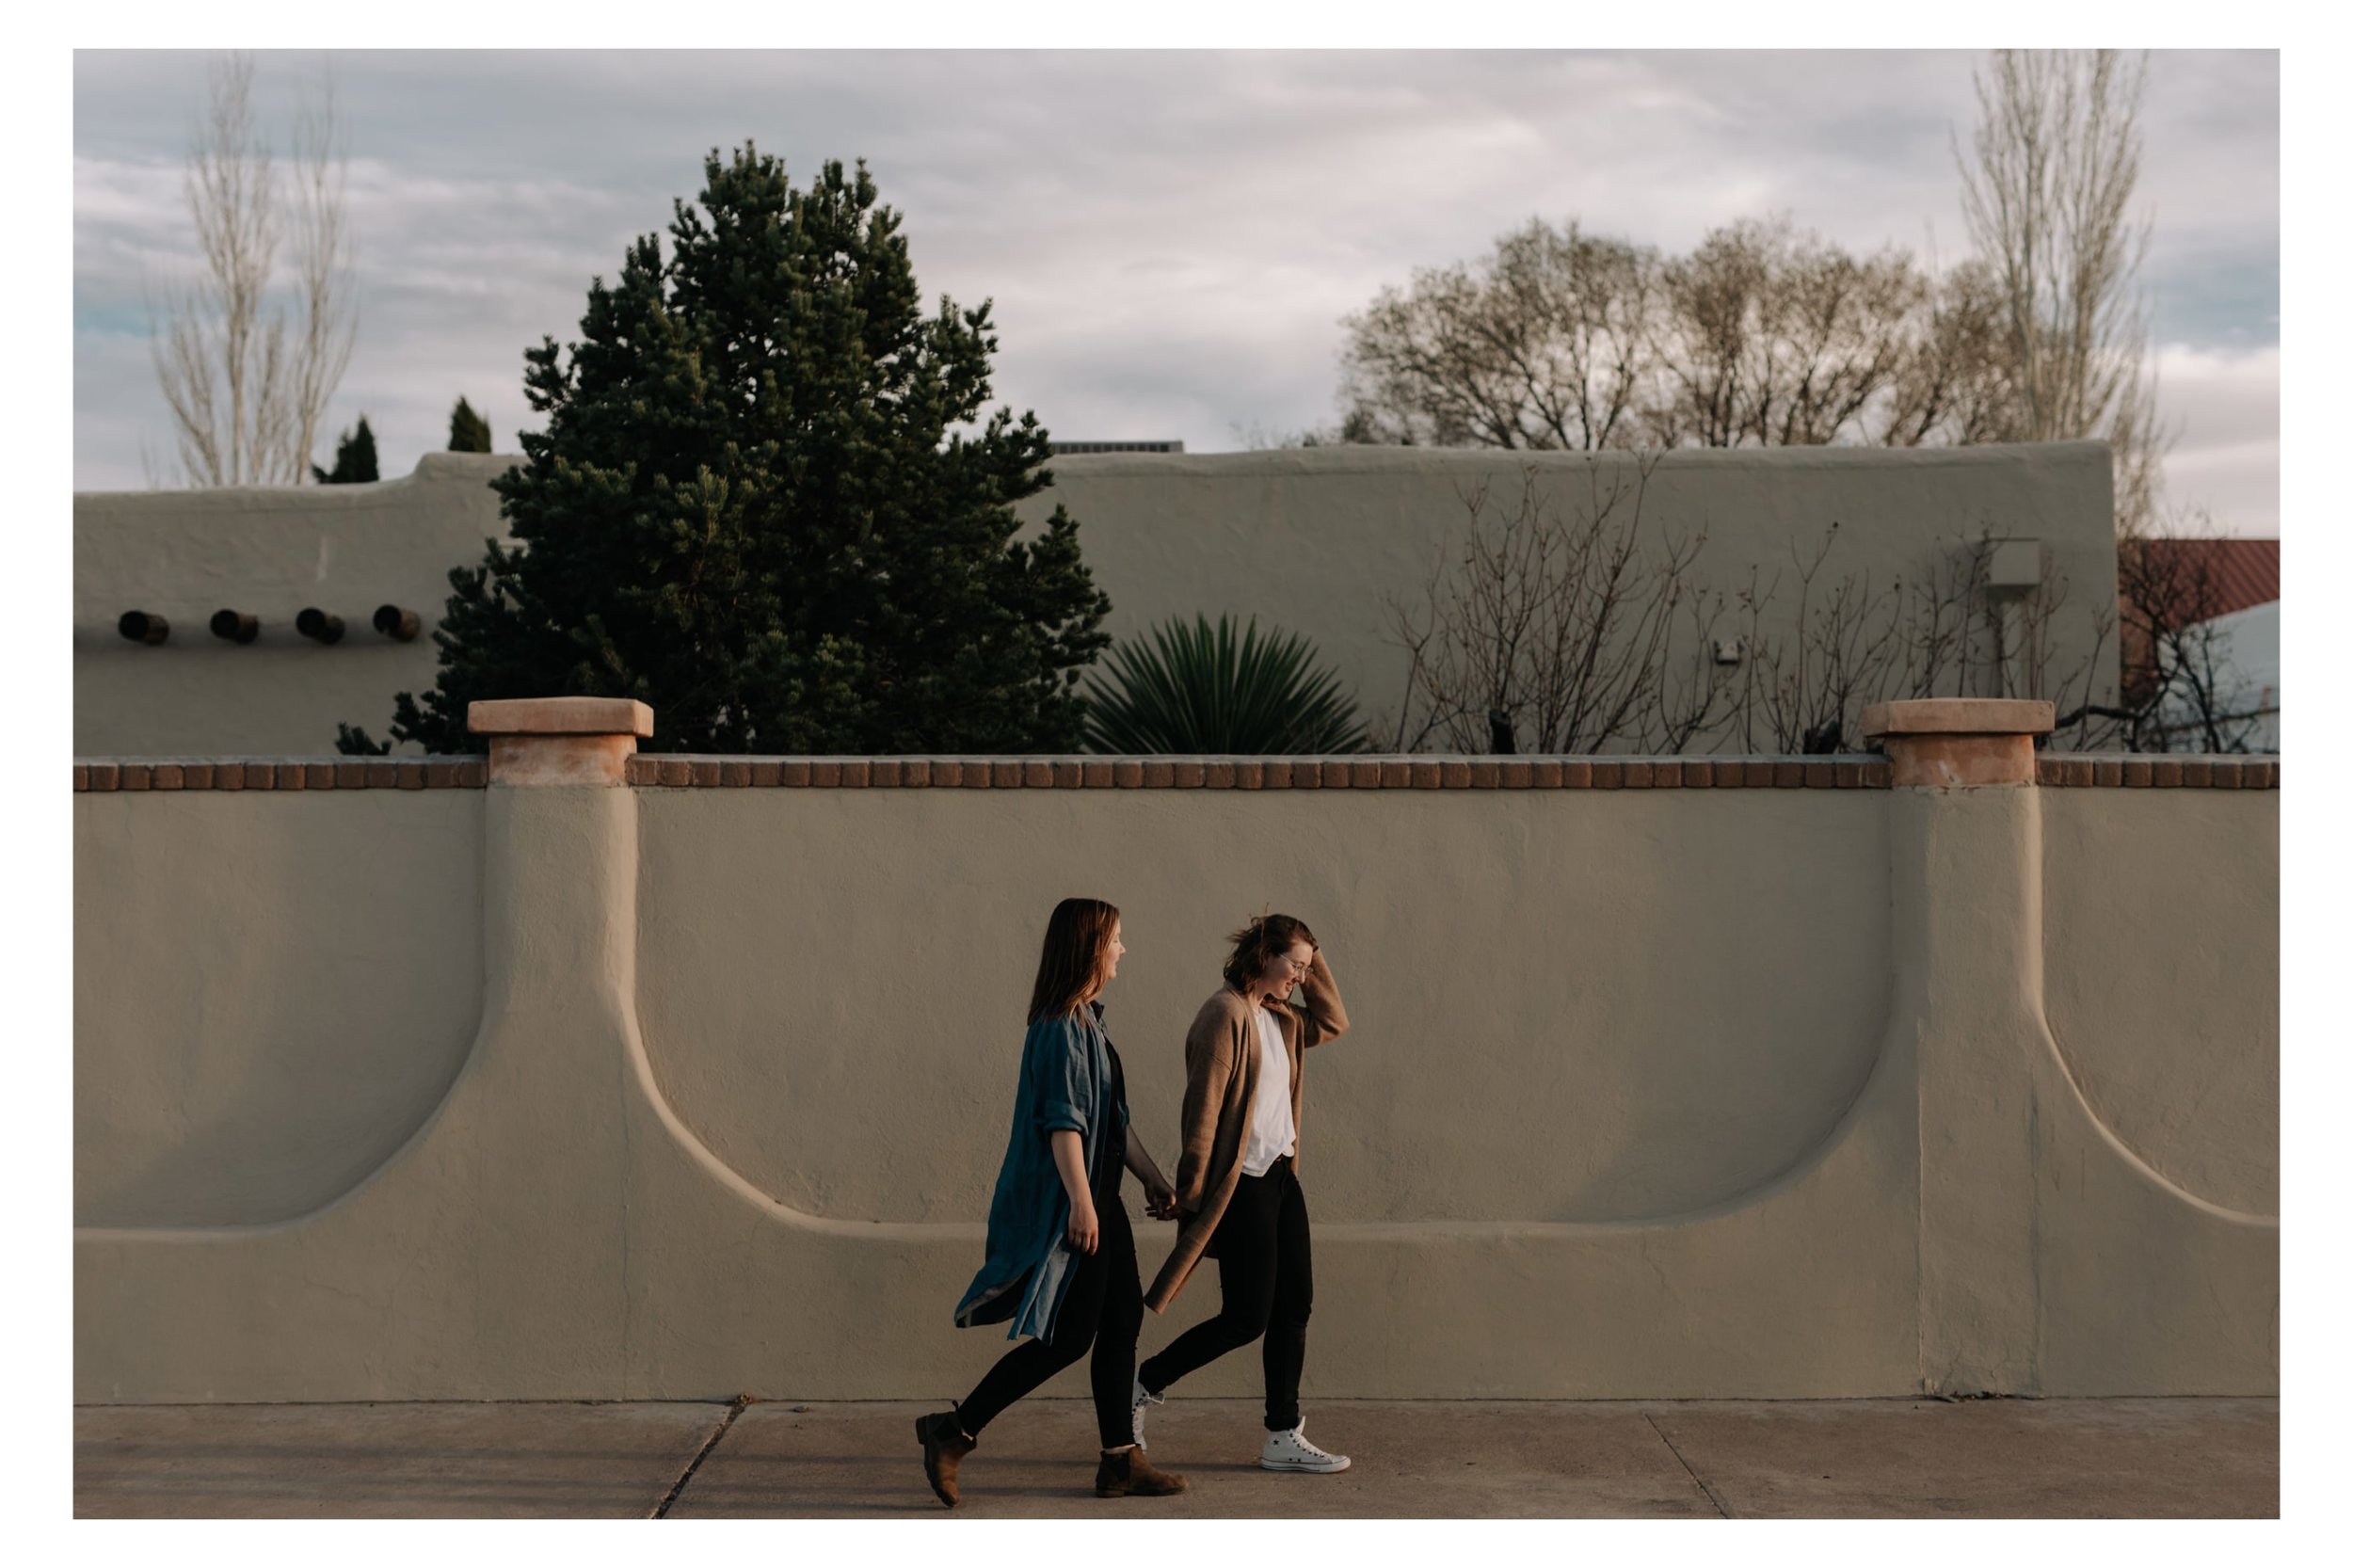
column 1194, row 690
column 355, row 458
column 467, row 430
column 759, row 504
column 355, row 742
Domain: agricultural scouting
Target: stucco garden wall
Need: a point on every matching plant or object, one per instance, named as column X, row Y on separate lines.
column 1758, row 1080
column 1314, row 541
column 272, row 993
column 1601, row 1029
column 2162, row 953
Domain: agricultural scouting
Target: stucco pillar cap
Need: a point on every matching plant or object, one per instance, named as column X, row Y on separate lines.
column 1959, row 743
column 1959, row 715
column 560, row 716
column 560, row 740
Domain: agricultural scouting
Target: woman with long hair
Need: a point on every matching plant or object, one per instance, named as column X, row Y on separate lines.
column 1061, row 1262
column 1237, row 1192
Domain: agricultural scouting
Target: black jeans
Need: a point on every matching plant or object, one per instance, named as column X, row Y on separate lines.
column 1102, row 1306
column 1267, row 1272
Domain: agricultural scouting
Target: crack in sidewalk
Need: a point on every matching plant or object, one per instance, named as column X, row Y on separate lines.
column 737, row 1407
column 1696, row 1480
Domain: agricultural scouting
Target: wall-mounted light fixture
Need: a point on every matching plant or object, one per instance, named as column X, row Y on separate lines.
column 320, row 627
column 140, row 626
column 396, row 623
column 235, row 625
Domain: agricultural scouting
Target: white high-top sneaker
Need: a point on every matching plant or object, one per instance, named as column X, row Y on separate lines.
column 1138, row 1397
column 1290, row 1450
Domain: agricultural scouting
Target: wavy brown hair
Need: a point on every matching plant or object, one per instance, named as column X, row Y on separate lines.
column 1261, row 940
column 1070, row 964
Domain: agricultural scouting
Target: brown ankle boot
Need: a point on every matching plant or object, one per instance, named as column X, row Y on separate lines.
column 944, row 1447
column 1128, row 1473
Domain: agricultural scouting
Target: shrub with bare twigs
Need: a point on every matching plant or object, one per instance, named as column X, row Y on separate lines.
column 1590, row 629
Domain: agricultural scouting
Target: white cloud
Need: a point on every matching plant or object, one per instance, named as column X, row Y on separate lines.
column 2226, row 460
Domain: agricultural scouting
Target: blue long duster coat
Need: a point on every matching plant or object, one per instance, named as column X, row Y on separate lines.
column 1066, row 1082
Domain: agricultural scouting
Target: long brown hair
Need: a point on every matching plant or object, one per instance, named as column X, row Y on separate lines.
column 1261, row 940
column 1070, row 964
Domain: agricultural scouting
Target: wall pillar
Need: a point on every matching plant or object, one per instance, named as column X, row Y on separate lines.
column 550, row 1173
column 1967, row 883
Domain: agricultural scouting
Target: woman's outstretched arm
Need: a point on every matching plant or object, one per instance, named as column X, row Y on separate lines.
column 1160, row 1196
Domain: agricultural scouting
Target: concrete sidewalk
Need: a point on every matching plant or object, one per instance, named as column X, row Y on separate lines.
column 2145, row 1458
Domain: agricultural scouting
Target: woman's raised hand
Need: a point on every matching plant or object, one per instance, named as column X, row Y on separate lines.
column 1084, row 1232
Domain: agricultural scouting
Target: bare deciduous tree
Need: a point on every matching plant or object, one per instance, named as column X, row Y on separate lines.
column 1562, row 340
column 327, row 312
column 1953, row 388
column 247, row 391
column 1554, row 633
column 2178, row 691
column 219, row 359
column 1770, row 338
column 1540, row 346
column 2048, row 197
column 1800, row 695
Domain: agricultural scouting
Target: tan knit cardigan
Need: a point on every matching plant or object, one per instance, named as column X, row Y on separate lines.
column 1221, row 1079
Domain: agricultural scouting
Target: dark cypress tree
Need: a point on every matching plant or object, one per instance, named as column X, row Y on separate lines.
column 752, row 507
column 467, row 430
column 355, row 458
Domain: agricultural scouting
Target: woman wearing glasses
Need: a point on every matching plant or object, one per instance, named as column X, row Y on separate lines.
column 1061, row 1262
column 1237, row 1194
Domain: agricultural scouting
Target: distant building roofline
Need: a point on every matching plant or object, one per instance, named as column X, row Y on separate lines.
column 1081, row 449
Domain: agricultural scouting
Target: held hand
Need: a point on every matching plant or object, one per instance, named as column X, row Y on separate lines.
column 1160, row 1199
column 1084, row 1232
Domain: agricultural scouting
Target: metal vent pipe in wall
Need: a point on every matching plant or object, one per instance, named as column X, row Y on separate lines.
column 396, row 623
column 317, row 625
column 140, row 626
column 235, row 625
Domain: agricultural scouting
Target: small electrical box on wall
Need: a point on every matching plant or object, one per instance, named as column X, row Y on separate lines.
column 2013, row 565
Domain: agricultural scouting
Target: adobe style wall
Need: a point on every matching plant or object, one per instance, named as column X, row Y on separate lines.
column 1345, row 528
column 1762, row 1077
column 1311, row 541
column 270, row 552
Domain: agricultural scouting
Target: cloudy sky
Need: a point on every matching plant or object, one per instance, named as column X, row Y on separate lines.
column 1170, row 238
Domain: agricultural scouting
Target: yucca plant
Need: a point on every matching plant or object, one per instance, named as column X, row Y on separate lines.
column 1195, row 690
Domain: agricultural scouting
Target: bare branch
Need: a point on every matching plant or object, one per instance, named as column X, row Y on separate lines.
column 2047, row 198
column 328, row 314
column 246, row 392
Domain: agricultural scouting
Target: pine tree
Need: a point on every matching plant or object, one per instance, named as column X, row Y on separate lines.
column 467, row 430
column 752, row 508
column 355, row 458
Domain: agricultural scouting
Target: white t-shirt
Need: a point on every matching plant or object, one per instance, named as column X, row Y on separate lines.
column 1273, row 1134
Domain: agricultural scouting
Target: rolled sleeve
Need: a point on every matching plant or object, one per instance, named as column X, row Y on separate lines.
column 1065, row 1081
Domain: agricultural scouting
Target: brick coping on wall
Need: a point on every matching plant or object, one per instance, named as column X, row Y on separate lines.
column 683, row 770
